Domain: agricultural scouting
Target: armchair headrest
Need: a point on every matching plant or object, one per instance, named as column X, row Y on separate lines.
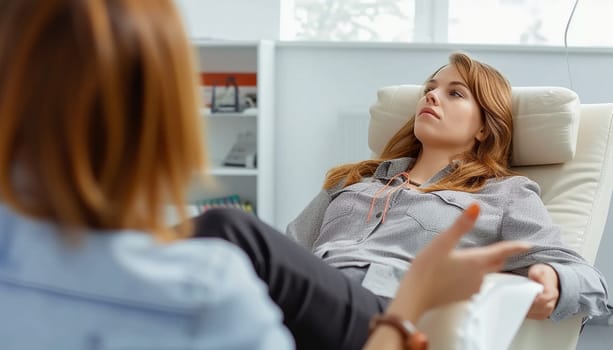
column 545, row 121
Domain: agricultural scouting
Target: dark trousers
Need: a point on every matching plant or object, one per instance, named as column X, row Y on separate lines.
column 321, row 306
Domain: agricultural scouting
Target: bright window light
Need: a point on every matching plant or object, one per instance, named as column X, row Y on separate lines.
column 351, row 20
column 498, row 22
column 530, row 22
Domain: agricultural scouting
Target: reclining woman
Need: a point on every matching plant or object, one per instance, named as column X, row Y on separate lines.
column 100, row 129
column 373, row 217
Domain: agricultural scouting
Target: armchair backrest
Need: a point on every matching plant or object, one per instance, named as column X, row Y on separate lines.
column 567, row 148
column 577, row 194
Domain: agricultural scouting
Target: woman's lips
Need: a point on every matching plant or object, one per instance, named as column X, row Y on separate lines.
column 429, row 111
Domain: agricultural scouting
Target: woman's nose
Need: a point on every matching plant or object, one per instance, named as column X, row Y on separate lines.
column 431, row 97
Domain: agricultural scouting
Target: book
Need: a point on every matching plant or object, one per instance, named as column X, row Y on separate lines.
column 232, row 201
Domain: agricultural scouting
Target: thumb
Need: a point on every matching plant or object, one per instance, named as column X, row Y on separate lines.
column 536, row 273
column 448, row 239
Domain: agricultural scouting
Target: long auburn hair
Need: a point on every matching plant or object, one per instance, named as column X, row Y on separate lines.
column 98, row 113
column 489, row 158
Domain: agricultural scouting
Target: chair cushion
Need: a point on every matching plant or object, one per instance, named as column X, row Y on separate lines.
column 545, row 119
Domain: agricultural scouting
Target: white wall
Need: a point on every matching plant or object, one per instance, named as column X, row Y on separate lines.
column 232, row 19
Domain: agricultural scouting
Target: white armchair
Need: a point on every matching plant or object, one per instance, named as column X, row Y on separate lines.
column 567, row 148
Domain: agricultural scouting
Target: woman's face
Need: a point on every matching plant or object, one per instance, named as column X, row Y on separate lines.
column 448, row 117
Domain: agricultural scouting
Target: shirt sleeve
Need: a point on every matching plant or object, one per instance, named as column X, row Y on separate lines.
column 582, row 287
column 240, row 314
column 305, row 228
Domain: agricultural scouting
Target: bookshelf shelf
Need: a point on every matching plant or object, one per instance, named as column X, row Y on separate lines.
column 225, row 43
column 223, row 130
column 208, row 114
column 220, row 170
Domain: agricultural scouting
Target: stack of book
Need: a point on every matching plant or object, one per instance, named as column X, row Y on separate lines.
column 233, row 201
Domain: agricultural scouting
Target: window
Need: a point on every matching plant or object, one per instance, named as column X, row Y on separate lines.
column 514, row 22
column 352, row 20
column 530, row 22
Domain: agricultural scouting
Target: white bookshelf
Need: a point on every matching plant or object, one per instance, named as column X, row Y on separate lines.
column 207, row 114
column 220, row 170
column 255, row 185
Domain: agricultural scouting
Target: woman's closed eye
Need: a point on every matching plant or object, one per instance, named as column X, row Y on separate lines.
column 456, row 93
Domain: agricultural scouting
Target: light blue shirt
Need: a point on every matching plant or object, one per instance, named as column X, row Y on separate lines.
column 123, row 290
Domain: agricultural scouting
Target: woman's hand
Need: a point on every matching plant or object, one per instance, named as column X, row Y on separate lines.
column 440, row 275
column 546, row 301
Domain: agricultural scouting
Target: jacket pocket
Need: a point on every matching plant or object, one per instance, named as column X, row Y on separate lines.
column 436, row 211
column 340, row 207
column 342, row 204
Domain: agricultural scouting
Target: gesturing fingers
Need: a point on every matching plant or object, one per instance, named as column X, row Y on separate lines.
column 448, row 239
column 493, row 255
column 498, row 253
column 492, row 258
column 446, row 275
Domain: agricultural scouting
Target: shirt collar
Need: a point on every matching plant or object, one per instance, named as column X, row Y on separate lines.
column 389, row 168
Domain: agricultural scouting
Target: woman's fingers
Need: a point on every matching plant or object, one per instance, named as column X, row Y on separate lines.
column 541, row 309
column 546, row 301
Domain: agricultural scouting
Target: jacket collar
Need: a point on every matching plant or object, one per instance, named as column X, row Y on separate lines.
column 389, row 168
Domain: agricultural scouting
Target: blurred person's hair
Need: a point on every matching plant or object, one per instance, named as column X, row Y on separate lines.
column 99, row 123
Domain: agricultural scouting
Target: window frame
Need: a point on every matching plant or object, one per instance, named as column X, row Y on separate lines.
column 431, row 25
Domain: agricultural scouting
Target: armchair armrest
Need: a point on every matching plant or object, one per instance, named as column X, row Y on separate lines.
column 536, row 335
column 489, row 320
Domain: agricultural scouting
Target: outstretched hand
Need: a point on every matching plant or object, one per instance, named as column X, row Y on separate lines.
column 440, row 275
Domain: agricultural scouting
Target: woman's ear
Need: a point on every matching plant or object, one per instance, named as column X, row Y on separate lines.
column 480, row 136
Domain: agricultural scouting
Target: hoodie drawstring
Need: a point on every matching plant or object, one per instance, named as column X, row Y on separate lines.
column 404, row 184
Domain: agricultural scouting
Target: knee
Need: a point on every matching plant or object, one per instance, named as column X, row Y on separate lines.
column 223, row 214
column 218, row 220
